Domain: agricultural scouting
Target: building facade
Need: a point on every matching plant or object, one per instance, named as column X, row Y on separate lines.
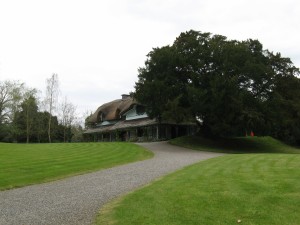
column 126, row 120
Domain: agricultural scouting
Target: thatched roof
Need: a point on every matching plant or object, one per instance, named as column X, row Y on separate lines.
column 112, row 110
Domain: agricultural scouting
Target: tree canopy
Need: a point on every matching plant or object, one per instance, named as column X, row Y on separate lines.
column 233, row 87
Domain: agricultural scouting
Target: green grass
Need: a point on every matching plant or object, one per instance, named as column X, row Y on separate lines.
column 254, row 188
column 235, row 145
column 25, row 164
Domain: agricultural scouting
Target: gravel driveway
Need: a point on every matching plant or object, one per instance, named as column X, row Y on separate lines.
column 77, row 200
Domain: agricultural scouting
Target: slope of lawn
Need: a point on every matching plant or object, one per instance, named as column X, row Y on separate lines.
column 235, row 145
column 253, row 188
column 232, row 189
column 24, row 164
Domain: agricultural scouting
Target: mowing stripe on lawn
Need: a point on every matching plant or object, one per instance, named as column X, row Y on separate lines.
column 24, row 164
column 251, row 188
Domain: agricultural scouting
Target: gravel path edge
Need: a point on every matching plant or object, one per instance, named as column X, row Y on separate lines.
column 77, row 200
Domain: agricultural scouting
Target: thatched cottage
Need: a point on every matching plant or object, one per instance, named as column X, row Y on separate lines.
column 126, row 120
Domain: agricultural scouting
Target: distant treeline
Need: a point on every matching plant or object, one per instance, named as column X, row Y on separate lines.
column 24, row 117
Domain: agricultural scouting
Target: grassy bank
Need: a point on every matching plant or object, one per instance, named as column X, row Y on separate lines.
column 233, row 189
column 24, row 164
column 235, row 145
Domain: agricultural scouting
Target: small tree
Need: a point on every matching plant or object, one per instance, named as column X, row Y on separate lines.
column 11, row 95
column 52, row 92
column 10, row 98
column 30, row 110
column 26, row 120
column 68, row 116
column 86, row 116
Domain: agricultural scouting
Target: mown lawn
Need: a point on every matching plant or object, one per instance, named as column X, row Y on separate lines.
column 25, row 164
column 233, row 189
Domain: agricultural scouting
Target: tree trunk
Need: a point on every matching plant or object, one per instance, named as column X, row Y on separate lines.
column 27, row 126
column 64, row 134
column 27, row 136
column 49, row 129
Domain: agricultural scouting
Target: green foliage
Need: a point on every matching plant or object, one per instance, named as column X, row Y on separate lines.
column 22, row 121
column 252, row 188
column 232, row 86
column 156, row 78
column 31, row 125
column 24, row 164
column 10, row 97
column 26, row 118
column 285, row 109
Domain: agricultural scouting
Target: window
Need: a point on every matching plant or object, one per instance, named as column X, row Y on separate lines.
column 140, row 109
column 100, row 117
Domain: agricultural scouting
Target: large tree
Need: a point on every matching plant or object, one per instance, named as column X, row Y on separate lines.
column 156, row 83
column 284, row 103
column 227, row 84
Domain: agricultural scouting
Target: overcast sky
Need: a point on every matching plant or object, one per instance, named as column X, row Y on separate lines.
column 96, row 46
